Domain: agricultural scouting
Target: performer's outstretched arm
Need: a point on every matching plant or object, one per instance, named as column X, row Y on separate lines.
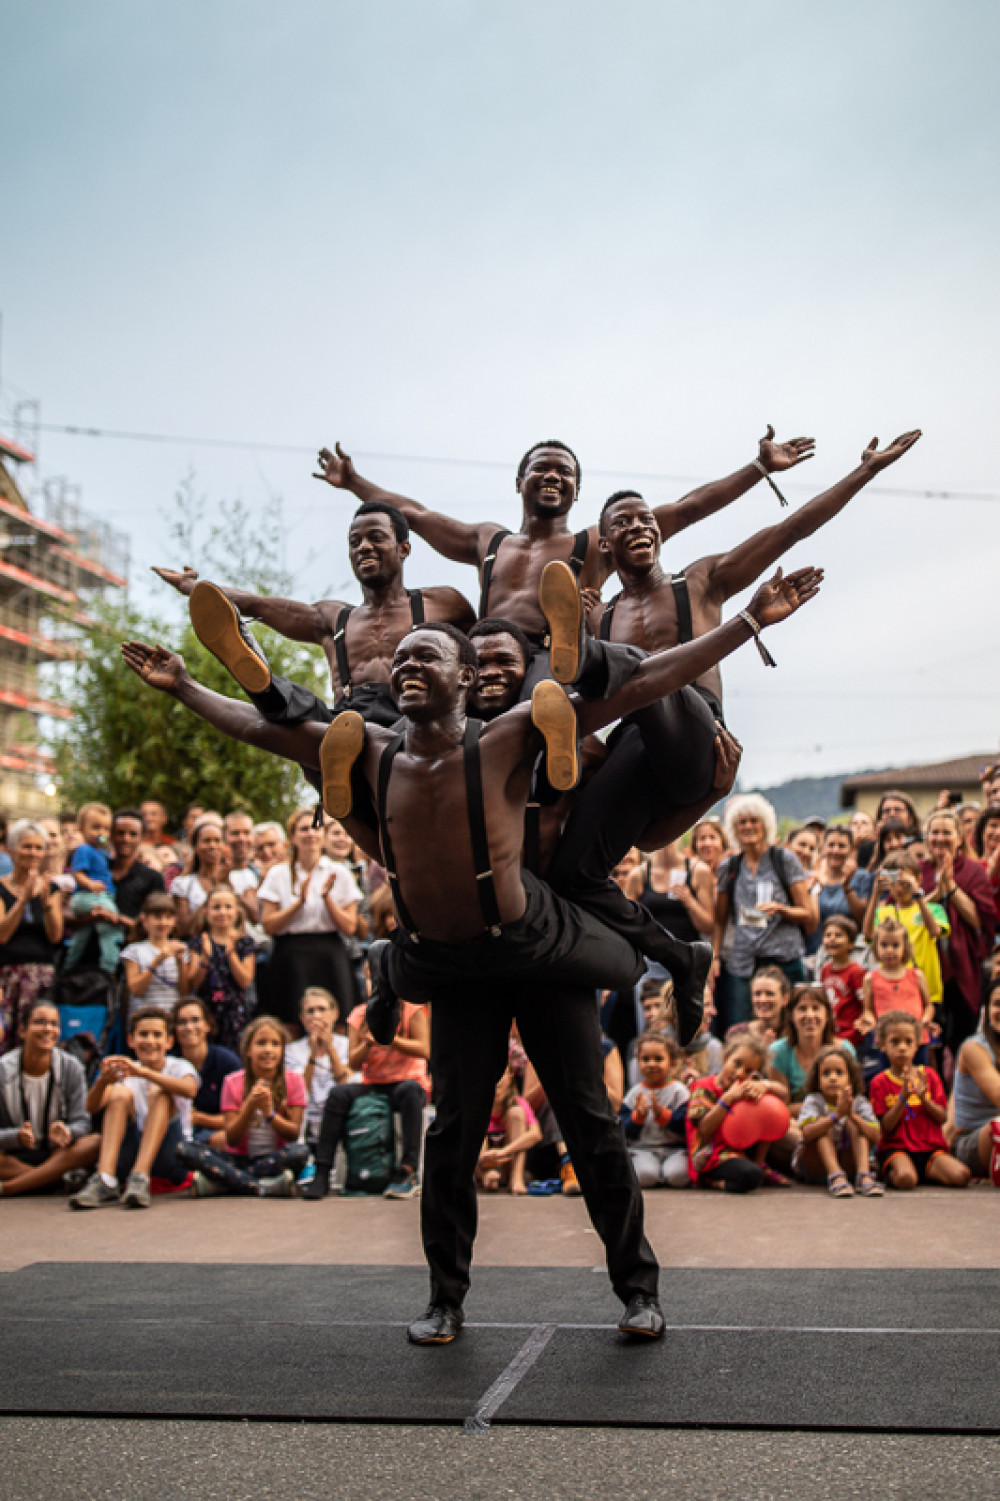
column 457, row 540
column 718, row 494
column 291, row 618
column 666, row 671
column 732, row 571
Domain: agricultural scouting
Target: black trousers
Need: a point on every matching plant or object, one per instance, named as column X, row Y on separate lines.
column 406, row 1097
column 555, row 940
column 560, row 1030
column 285, row 702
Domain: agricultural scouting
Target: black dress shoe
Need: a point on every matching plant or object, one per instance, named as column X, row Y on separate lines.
column 438, row 1326
column 384, row 1010
column 689, row 993
column 320, row 1185
column 643, row 1317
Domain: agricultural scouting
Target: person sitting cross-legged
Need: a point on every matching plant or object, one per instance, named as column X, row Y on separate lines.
column 147, row 1114
column 45, row 1130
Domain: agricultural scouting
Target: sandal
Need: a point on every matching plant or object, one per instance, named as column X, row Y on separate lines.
column 838, row 1187
column 868, row 1186
column 774, row 1179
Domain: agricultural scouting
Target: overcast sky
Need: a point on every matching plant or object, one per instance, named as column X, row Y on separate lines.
column 451, row 229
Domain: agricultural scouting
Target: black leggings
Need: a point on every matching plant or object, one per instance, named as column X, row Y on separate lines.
column 241, row 1175
column 738, row 1175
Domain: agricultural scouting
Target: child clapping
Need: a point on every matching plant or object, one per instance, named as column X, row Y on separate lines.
column 838, row 1127
column 656, row 1140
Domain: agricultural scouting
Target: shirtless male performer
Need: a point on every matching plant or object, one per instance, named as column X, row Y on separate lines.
column 358, row 640
column 628, row 801
column 510, row 564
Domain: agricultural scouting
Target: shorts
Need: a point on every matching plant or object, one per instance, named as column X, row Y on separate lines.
column 966, row 1148
column 32, row 1156
column 921, row 1160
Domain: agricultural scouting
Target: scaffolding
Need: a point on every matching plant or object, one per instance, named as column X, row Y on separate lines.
column 52, row 560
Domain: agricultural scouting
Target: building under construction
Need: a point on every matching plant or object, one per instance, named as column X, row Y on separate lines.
column 52, row 559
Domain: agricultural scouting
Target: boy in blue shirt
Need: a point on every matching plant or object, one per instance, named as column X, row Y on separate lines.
column 90, row 868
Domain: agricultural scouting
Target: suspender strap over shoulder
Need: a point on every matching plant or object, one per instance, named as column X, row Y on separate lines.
column 339, row 646
column 477, row 828
column 608, row 617
column 578, row 556
column 388, row 858
column 682, row 599
column 416, row 599
column 488, row 562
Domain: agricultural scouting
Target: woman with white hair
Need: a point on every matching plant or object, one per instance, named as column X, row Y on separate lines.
column 31, row 927
column 763, row 892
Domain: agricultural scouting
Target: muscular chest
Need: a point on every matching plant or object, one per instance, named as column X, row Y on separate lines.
column 517, row 574
column 371, row 636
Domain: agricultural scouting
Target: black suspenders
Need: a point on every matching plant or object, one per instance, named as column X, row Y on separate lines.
column 577, row 558
column 417, row 616
column 682, row 601
column 477, row 827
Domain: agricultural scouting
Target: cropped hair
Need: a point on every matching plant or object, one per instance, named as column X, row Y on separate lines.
column 493, row 626
column 320, row 990
column 902, row 860
column 148, row 1014
column 832, row 1050
column 23, row 826
column 466, row 650
column 891, row 1019
column 753, row 805
column 522, row 467
column 135, row 813
column 93, row 808
column 846, row 924
column 400, row 525
column 613, row 500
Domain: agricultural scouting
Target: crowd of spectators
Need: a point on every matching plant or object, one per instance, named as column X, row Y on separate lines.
column 219, row 1045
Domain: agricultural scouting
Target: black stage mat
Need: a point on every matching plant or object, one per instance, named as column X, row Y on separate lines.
column 913, row 1350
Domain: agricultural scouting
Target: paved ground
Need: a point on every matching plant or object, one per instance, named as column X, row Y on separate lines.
column 73, row 1459
column 772, row 1228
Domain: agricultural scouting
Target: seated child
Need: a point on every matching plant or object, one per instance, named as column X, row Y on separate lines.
column 45, row 1130
column 320, row 1055
column 95, row 890
column 911, row 1105
column 838, row 1127
column 713, row 1164
column 147, row 1115
column 656, row 1140
column 513, row 1129
column 152, row 973
column 262, row 1107
column 842, row 978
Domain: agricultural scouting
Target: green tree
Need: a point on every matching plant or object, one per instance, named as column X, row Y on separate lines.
column 126, row 741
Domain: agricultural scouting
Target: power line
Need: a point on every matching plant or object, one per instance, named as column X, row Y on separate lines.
column 75, row 431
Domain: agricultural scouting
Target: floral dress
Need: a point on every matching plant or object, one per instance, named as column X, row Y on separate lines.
column 230, row 1004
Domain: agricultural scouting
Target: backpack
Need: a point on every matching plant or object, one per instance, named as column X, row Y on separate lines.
column 370, row 1143
column 730, row 869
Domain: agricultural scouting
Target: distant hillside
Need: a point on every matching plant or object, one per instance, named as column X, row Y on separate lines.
column 805, row 795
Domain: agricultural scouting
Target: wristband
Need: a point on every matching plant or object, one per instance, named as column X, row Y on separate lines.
column 767, row 475
column 723, row 1106
column 270, row 1118
column 765, row 655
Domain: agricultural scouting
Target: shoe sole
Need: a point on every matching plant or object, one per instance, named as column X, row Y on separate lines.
column 340, row 748
column 132, row 1202
column 434, row 1339
column 560, row 603
column 640, row 1333
column 216, row 623
column 554, row 718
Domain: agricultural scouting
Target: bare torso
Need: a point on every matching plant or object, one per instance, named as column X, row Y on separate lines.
column 373, row 631
column 517, row 573
column 649, row 619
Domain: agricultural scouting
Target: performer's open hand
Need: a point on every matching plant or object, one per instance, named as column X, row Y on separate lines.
column 154, row 664
column 336, row 468
column 183, row 581
column 784, row 455
column 873, row 460
column 783, row 594
column 728, row 752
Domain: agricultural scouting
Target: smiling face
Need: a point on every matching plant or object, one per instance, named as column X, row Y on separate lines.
column 158, row 926
column 154, row 818
column 28, row 855
column 337, row 843
column 150, row 1041
column 767, row 999
column 269, row 847
column 265, row 1052
column 894, row 807
column 804, row 844
column 548, row 486
column 630, row 537
column 222, row 911
column 942, row 838
column 741, row 1064
column 836, row 942
column 208, row 845
column 501, row 673
column 307, row 840
column 41, row 1030
column 836, row 848
column 238, row 830
column 126, row 836
column 749, row 831
column 809, row 1017
column 709, row 844
column 428, row 677
column 192, row 1028
column 375, row 555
